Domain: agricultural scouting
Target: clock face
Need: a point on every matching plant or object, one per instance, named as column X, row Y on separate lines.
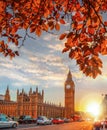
column 68, row 86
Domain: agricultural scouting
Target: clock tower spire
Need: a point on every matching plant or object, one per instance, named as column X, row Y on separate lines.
column 7, row 94
column 69, row 95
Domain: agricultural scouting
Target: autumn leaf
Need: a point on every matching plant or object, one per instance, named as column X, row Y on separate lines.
column 87, row 52
column 102, row 30
column 62, row 21
column 45, row 27
column 17, row 53
column 52, row 27
column 38, row 31
column 105, row 23
column 95, row 19
column 1, row 49
column 70, row 34
column 104, row 47
column 83, row 37
column 96, row 50
column 65, row 50
column 62, row 36
column 91, row 30
column 9, row 50
column 16, row 42
column 69, row 44
column 89, row 22
column 79, row 26
column 57, row 26
column 11, row 55
column 46, row 13
column 32, row 28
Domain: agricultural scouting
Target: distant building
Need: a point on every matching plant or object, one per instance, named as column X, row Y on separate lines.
column 7, row 106
column 33, row 103
column 29, row 104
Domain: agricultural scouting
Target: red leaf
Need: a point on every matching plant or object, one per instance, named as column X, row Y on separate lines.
column 17, row 53
column 102, row 30
column 1, row 49
column 105, row 23
column 91, row 30
column 57, row 26
column 38, row 31
column 62, row 36
column 79, row 26
column 65, row 50
column 62, row 21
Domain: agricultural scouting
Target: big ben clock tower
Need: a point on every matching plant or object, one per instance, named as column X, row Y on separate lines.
column 69, row 95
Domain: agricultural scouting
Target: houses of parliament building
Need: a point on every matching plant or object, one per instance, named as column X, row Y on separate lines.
column 33, row 103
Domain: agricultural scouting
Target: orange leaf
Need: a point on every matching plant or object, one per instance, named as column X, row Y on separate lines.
column 38, row 31
column 17, row 53
column 70, row 34
column 16, row 42
column 102, row 30
column 2, row 44
column 45, row 27
column 9, row 51
column 50, row 23
column 62, row 21
column 46, row 13
column 57, row 26
column 104, row 47
column 69, row 45
column 96, row 49
column 52, row 27
column 73, row 54
column 57, row 15
column 82, row 37
column 62, row 36
column 65, row 50
column 86, row 53
column 91, row 30
column 14, row 30
column 95, row 19
column 79, row 26
column 105, row 23
column 89, row 22
column 1, row 49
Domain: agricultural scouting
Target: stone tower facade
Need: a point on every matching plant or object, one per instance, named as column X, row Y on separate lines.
column 69, row 95
column 27, row 104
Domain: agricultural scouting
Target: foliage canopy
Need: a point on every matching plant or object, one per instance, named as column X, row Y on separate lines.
column 85, row 40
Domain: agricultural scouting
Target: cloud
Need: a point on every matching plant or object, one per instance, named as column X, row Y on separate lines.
column 58, row 47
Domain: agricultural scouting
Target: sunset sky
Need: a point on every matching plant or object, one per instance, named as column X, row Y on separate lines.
column 41, row 63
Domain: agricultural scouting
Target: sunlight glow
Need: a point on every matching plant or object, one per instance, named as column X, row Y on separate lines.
column 94, row 109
